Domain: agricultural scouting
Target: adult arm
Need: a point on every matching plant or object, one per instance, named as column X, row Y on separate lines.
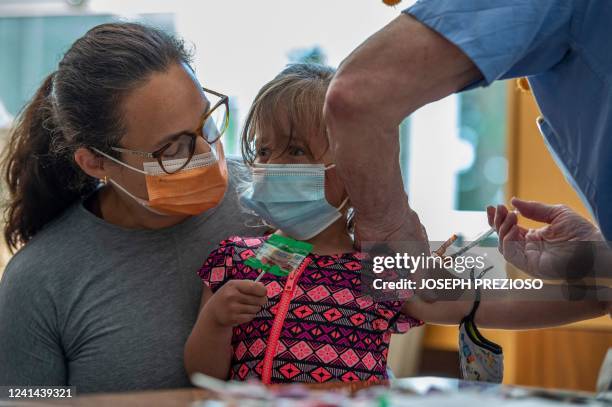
column 402, row 67
column 30, row 346
column 437, row 48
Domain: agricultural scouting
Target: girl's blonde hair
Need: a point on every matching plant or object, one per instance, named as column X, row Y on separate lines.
column 299, row 93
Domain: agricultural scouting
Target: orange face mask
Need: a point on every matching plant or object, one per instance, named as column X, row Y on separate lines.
column 195, row 189
column 188, row 192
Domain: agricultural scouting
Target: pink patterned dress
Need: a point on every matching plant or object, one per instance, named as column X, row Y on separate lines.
column 316, row 326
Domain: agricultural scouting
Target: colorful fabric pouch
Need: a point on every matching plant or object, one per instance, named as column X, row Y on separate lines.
column 480, row 359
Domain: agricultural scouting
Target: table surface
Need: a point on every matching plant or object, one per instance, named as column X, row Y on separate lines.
column 184, row 397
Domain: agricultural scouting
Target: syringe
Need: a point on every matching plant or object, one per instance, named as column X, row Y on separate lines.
column 482, row 237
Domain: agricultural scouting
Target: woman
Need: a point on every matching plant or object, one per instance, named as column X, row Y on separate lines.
column 104, row 291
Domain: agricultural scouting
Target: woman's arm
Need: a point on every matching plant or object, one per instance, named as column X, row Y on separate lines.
column 208, row 349
column 31, row 353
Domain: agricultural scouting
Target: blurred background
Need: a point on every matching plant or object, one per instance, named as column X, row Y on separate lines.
column 457, row 155
column 453, row 152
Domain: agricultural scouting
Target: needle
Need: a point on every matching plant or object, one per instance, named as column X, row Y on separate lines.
column 475, row 243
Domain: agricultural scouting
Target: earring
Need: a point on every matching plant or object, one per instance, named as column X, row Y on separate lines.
column 104, row 180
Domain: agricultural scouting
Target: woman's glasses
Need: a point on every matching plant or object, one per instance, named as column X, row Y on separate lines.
column 180, row 151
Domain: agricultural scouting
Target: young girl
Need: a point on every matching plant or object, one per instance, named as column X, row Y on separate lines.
column 314, row 325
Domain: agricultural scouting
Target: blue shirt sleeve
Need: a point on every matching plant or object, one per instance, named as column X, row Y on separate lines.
column 504, row 39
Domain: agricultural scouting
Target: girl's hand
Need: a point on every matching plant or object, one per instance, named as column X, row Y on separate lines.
column 236, row 302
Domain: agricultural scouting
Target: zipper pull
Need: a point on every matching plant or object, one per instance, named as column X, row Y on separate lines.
column 295, row 274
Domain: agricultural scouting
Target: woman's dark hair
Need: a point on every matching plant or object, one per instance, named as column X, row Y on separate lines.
column 77, row 106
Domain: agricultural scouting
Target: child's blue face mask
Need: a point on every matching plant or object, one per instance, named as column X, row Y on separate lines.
column 291, row 197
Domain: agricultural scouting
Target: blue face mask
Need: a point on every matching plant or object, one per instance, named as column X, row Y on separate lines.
column 291, row 197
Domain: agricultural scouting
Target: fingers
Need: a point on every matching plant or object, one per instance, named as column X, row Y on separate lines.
column 241, row 292
column 511, row 235
column 247, row 309
column 497, row 215
column 235, row 302
column 513, row 247
column 247, row 292
column 500, row 216
column 249, row 287
column 502, row 223
column 508, row 230
column 508, row 223
column 252, row 300
column 490, row 215
column 536, row 210
column 512, row 238
column 240, row 313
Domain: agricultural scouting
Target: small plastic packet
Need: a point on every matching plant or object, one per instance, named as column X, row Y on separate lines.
column 279, row 255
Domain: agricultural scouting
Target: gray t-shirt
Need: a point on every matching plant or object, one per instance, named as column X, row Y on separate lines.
column 103, row 308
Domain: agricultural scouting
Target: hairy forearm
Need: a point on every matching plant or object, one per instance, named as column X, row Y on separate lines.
column 208, row 349
column 399, row 69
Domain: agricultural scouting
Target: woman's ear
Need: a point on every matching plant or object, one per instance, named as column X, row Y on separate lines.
column 90, row 163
